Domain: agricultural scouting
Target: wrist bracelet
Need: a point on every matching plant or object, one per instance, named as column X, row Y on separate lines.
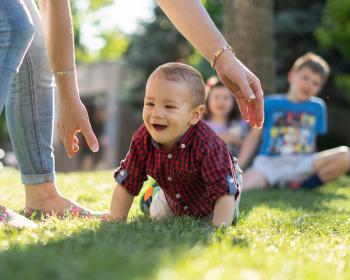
column 63, row 72
column 218, row 53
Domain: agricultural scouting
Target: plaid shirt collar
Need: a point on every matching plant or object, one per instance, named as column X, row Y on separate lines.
column 183, row 142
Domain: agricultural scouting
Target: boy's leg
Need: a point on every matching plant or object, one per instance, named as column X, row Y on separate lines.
column 159, row 207
column 253, row 179
column 332, row 163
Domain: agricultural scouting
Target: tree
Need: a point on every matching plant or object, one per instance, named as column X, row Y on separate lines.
column 334, row 36
column 248, row 27
column 115, row 43
column 295, row 23
column 156, row 43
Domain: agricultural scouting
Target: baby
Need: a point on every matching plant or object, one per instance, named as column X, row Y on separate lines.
column 197, row 174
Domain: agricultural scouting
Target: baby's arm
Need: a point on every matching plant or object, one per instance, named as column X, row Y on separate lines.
column 121, row 203
column 224, row 211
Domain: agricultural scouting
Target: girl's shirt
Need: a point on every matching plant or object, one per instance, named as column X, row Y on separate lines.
column 238, row 129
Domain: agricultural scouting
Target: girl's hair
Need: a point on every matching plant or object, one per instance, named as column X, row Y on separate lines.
column 212, row 83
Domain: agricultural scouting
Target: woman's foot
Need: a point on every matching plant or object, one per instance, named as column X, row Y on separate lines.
column 43, row 200
column 8, row 217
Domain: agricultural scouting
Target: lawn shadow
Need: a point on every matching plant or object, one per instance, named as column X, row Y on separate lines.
column 134, row 250
column 310, row 201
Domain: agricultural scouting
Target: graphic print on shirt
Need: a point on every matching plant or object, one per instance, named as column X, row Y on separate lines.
column 292, row 133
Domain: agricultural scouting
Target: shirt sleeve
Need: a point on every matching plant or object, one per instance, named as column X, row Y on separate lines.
column 321, row 120
column 132, row 170
column 218, row 170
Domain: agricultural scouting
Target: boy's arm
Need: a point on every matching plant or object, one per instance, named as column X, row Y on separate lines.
column 224, row 211
column 249, row 146
column 121, row 203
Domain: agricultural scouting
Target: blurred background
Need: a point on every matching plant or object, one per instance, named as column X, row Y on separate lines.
column 120, row 42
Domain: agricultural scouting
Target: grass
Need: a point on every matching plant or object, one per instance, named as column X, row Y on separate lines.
column 281, row 235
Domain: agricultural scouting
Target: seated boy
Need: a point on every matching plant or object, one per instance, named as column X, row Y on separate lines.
column 292, row 122
column 190, row 162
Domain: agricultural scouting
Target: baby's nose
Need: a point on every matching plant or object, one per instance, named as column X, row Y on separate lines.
column 159, row 112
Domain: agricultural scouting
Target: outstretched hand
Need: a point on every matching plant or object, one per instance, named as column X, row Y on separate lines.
column 245, row 86
column 73, row 118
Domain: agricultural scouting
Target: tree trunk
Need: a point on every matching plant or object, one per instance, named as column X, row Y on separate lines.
column 248, row 27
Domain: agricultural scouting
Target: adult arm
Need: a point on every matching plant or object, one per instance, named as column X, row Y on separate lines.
column 224, row 211
column 73, row 117
column 193, row 21
column 249, row 147
column 121, row 203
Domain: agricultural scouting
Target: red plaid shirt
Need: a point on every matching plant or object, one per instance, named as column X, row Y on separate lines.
column 197, row 171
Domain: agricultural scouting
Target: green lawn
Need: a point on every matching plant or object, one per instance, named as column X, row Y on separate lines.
column 281, row 235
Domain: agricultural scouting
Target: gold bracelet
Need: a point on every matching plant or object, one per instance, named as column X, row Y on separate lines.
column 63, row 72
column 218, row 53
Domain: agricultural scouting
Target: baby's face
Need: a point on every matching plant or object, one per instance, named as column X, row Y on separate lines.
column 167, row 110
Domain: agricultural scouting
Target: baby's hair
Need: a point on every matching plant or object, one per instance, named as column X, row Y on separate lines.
column 316, row 63
column 212, row 83
column 175, row 71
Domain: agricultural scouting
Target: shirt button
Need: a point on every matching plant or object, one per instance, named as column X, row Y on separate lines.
column 170, row 156
column 169, row 178
column 231, row 180
column 183, row 146
column 185, row 207
column 177, row 195
column 122, row 173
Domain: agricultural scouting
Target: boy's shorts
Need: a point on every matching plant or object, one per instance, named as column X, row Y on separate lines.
column 279, row 170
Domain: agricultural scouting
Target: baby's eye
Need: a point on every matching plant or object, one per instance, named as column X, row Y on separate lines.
column 170, row 107
column 150, row 104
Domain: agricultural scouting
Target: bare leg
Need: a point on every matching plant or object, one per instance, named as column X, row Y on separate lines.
column 253, row 179
column 332, row 163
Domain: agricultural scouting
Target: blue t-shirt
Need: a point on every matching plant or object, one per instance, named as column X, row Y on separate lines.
column 292, row 127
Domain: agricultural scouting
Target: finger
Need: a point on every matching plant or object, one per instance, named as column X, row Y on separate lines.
column 90, row 137
column 242, row 105
column 69, row 145
column 246, row 89
column 251, row 111
column 259, row 103
column 75, row 148
column 75, row 140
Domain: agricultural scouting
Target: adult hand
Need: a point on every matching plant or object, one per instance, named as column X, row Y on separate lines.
column 73, row 118
column 245, row 86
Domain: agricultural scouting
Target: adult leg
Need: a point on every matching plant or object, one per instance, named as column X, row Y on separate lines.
column 253, row 179
column 29, row 113
column 332, row 163
column 16, row 33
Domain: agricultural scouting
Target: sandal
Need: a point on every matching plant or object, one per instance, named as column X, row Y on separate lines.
column 8, row 217
column 74, row 211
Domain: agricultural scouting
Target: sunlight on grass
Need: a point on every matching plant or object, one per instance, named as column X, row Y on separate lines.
column 281, row 235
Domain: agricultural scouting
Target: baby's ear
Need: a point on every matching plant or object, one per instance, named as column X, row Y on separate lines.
column 197, row 114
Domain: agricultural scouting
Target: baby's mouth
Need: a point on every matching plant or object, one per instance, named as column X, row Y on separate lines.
column 159, row 127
